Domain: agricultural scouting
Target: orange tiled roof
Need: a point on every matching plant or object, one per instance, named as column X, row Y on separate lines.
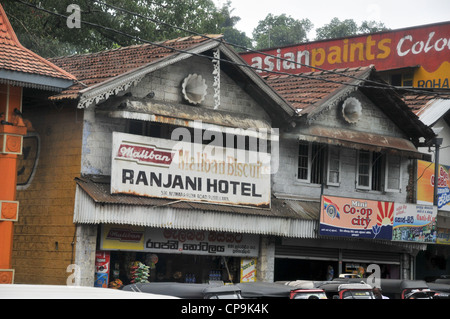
column 14, row 57
column 307, row 89
column 417, row 102
column 94, row 68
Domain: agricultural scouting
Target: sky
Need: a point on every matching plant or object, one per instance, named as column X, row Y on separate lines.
column 395, row 14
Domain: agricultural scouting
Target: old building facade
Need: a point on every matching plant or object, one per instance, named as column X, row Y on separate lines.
column 178, row 158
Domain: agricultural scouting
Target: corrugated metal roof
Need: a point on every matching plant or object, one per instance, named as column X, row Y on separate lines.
column 359, row 140
column 432, row 111
column 287, row 218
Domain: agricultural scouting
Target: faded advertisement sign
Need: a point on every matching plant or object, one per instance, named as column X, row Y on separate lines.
column 415, row 223
column 356, row 218
column 162, row 168
column 173, row 241
column 122, row 237
column 443, row 237
column 425, row 185
column 201, row 243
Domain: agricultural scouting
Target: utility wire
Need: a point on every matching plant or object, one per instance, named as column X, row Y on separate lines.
column 259, row 52
column 161, row 45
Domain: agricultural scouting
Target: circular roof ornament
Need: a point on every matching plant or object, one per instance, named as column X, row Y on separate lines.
column 352, row 110
column 194, row 88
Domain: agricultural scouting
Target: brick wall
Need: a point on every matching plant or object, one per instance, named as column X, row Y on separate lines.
column 43, row 236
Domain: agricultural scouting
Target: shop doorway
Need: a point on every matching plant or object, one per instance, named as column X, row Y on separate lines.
column 287, row 269
column 175, row 267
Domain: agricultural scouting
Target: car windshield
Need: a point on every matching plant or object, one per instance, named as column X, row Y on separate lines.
column 310, row 295
column 357, row 294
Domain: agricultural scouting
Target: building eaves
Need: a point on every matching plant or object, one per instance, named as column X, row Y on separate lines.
column 428, row 108
column 21, row 66
column 103, row 73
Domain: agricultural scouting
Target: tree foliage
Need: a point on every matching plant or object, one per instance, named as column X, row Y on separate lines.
column 280, row 30
column 339, row 29
column 156, row 20
column 48, row 35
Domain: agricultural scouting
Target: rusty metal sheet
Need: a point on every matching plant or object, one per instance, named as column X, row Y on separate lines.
column 177, row 114
column 359, row 140
column 98, row 188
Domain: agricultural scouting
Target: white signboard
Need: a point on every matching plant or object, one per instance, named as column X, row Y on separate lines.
column 415, row 223
column 153, row 167
column 210, row 243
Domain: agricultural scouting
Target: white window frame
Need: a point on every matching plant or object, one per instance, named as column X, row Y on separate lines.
column 308, row 175
column 369, row 186
column 387, row 171
column 339, row 171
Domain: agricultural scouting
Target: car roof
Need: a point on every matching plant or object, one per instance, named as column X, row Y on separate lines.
column 182, row 290
column 23, row 291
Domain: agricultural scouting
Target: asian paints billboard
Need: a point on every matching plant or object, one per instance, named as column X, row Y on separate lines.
column 427, row 48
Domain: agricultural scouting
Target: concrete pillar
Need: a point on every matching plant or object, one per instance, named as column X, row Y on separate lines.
column 265, row 267
column 406, row 266
column 85, row 253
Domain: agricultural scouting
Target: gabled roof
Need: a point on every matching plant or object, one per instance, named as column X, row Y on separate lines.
column 313, row 93
column 93, row 69
column 106, row 73
column 308, row 91
column 19, row 65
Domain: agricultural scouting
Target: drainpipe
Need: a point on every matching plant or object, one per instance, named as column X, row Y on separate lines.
column 437, row 143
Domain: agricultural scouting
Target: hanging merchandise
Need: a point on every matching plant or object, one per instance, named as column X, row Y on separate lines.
column 139, row 272
column 116, row 284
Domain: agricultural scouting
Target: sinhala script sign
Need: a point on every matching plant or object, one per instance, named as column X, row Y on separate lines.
column 154, row 167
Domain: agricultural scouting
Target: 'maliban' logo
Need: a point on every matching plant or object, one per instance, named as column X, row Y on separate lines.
column 145, row 154
column 124, row 235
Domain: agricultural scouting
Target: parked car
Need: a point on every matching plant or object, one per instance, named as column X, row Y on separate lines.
column 340, row 290
column 441, row 287
column 187, row 290
column 252, row 290
column 305, row 289
column 403, row 288
column 20, row 291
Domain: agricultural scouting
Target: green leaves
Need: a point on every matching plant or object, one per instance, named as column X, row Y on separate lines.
column 340, row 29
column 281, row 30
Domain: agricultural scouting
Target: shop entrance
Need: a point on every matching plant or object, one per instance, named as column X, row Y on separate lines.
column 174, row 267
column 287, row 269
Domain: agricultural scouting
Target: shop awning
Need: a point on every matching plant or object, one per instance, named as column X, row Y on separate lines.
column 359, row 140
column 95, row 205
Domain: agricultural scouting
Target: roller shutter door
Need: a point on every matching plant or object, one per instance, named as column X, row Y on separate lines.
column 332, row 254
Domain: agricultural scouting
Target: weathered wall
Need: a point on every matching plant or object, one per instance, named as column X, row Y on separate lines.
column 45, row 231
column 166, row 85
column 373, row 120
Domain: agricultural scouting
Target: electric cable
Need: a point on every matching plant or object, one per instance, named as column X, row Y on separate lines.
column 255, row 51
column 95, row 25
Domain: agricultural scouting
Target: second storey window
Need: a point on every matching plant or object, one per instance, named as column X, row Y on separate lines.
column 312, row 162
column 369, row 171
column 378, row 172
